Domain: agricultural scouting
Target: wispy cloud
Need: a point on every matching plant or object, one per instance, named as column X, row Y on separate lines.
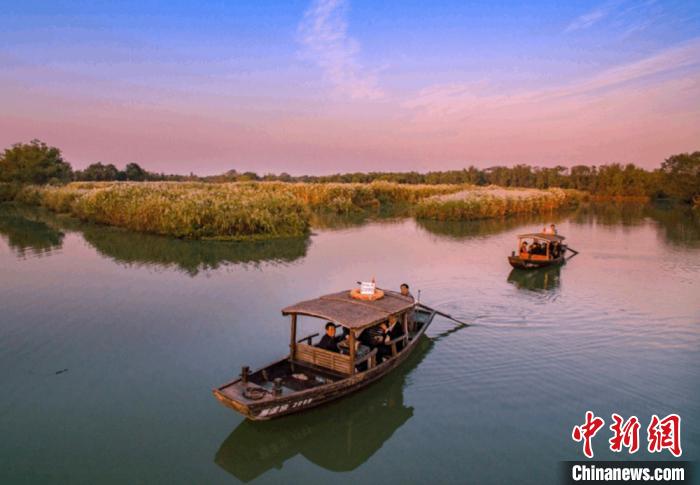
column 324, row 34
column 588, row 19
column 677, row 57
column 625, row 16
column 463, row 100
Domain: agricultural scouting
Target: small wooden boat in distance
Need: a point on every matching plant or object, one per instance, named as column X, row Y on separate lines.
column 537, row 250
column 310, row 376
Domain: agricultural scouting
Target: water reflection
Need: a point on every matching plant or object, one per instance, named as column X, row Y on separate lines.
column 536, row 279
column 37, row 230
column 31, row 230
column 332, row 221
column 460, row 230
column 337, row 437
column 611, row 213
column 190, row 256
column 678, row 223
column 26, row 236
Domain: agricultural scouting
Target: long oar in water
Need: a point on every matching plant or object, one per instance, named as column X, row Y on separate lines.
column 446, row 315
column 437, row 312
column 573, row 251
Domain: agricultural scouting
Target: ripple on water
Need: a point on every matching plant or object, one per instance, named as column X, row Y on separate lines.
column 615, row 329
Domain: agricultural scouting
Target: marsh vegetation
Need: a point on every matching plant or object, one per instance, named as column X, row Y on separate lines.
column 487, row 202
column 261, row 210
column 238, row 206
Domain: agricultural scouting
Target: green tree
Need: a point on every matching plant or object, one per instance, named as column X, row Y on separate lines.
column 34, row 163
column 682, row 176
column 98, row 172
column 582, row 177
column 135, row 173
column 248, row 176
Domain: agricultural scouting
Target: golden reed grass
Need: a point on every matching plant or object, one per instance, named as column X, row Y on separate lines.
column 203, row 211
column 248, row 210
column 483, row 203
column 217, row 211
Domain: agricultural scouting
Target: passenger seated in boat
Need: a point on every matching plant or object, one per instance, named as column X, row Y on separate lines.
column 396, row 331
column 523, row 248
column 383, row 348
column 555, row 250
column 390, row 330
column 370, row 337
column 329, row 340
column 535, row 248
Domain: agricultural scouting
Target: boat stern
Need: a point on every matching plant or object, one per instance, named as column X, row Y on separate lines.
column 232, row 403
column 253, row 401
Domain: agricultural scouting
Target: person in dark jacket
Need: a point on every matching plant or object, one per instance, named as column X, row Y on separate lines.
column 396, row 331
column 391, row 330
column 383, row 347
column 329, row 341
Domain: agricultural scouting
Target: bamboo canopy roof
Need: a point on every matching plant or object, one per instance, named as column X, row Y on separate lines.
column 541, row 235
column 344, row 310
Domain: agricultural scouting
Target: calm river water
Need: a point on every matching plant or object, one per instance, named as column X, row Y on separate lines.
column 110, row 344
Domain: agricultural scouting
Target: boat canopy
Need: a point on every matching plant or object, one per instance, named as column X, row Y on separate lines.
column 543, row 236
column 342, row 309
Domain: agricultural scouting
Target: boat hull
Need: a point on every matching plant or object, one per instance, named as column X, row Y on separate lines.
column 274, row 407
column 529, row 263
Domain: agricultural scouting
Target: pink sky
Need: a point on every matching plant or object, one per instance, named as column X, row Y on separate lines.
column 326, row 110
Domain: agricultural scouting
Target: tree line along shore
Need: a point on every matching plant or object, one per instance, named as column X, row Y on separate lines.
column 250, row 208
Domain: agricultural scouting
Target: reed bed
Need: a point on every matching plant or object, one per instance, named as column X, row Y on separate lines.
column 204, row 211
column 492, row 201
column 255, row 210
column 345, row 198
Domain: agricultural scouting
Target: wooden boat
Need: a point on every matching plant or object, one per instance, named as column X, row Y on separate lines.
column 338, row 438
column 310, row 376
column 554, row 251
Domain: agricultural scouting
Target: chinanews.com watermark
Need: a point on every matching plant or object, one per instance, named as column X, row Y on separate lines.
column 611, row 472
column 663, row 437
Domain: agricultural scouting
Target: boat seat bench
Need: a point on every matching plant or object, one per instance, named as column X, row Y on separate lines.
column 326, row 359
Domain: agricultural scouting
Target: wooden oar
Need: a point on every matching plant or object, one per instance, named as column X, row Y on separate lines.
column 418, row 303
column 573, row 251
column 446, row 333
column 446, row 315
